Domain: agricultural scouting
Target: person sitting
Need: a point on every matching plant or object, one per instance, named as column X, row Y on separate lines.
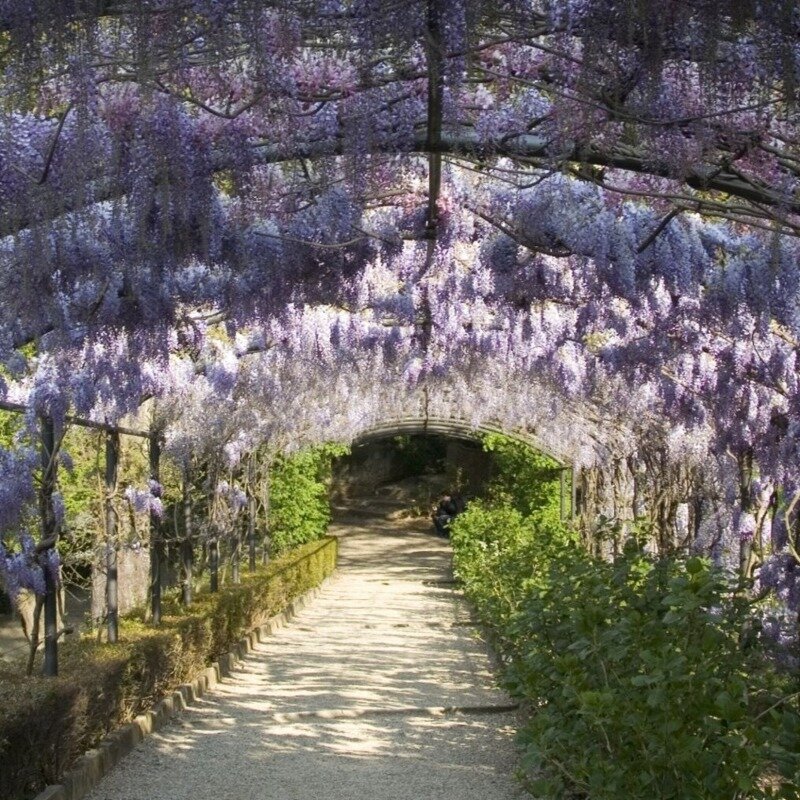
column 444, row 514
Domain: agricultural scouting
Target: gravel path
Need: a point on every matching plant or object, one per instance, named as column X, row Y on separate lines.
column 354, row 700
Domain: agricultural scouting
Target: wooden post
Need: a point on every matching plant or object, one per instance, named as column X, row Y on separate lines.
column 251, row 514
column 112, row 600
column 213, row 563
column 236, row 555
column 187, row 551
column 49, row 536
column 265, row 498
column 156, row 544
column 213, row 528
column 235, row 538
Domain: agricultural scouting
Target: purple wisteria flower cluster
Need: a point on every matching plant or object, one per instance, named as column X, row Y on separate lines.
column 146, row 501
column 24, row 567
column 523, row 213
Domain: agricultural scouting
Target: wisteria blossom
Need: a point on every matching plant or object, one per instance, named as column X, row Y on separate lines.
column 523, row 215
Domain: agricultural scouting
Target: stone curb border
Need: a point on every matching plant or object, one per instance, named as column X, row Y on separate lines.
column 95, row 764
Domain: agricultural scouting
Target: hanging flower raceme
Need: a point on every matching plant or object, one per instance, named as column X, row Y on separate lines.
column 23, row 568
column 17, row 488
column 146, row 501
column 233, row 495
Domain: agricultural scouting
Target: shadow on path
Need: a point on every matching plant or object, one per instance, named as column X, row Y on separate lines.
column 354, row 699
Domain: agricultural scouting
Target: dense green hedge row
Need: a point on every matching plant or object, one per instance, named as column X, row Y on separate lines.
column 644, row 678
column 46, row 723
column 300, row 508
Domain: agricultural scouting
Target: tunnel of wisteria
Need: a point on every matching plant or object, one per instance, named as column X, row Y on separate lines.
column 234, row 231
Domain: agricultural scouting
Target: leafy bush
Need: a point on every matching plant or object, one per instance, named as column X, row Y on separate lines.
column 644, row 678
column 523, row 478
column 499, row 553
column 299, row 500
column 46, row 723
column 645, row 684
column 502, row 544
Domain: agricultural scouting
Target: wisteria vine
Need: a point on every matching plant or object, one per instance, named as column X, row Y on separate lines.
column 286, row 223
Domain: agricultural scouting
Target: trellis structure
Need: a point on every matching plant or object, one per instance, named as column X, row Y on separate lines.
column 242, row 209
column 49, row 447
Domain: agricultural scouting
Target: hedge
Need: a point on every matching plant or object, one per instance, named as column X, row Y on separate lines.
column 45, row 724
column 644, row 677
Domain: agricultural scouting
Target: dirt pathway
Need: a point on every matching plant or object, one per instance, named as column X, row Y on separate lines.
column 379, row 690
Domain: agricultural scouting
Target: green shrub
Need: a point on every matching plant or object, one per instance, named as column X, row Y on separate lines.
column 644, row 679
column 45, row 724
column 645, row 684
column 523, row 478
column 502, row 543
column 498, row 553
column 299, row 496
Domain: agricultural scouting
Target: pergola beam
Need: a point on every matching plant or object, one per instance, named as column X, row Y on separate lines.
column 106, row 427
column 436, row 142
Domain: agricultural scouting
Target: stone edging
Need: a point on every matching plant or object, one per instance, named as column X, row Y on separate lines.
column 94, row 764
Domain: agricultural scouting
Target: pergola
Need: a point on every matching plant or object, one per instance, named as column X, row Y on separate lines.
column 256, row 213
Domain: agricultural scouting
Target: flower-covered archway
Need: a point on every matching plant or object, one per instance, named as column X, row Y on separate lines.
column 271, row 221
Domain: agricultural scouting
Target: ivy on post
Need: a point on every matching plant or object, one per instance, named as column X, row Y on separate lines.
column 156, row 543
column 112, row 600
column 49, row 537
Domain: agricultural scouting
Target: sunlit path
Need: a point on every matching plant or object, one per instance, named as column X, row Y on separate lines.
column 347, row 701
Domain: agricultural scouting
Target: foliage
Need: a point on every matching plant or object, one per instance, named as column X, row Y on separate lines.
column 299, row 505
column 643, row 677
column 418, row 454
column 501, row 544
column 46, row 723
column 646, row 680
column 498, row 553
column 522, row 477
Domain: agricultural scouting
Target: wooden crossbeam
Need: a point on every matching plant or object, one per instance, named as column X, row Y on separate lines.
column 107, row 427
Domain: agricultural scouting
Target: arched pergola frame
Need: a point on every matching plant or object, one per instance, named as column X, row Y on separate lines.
column 461, row 429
